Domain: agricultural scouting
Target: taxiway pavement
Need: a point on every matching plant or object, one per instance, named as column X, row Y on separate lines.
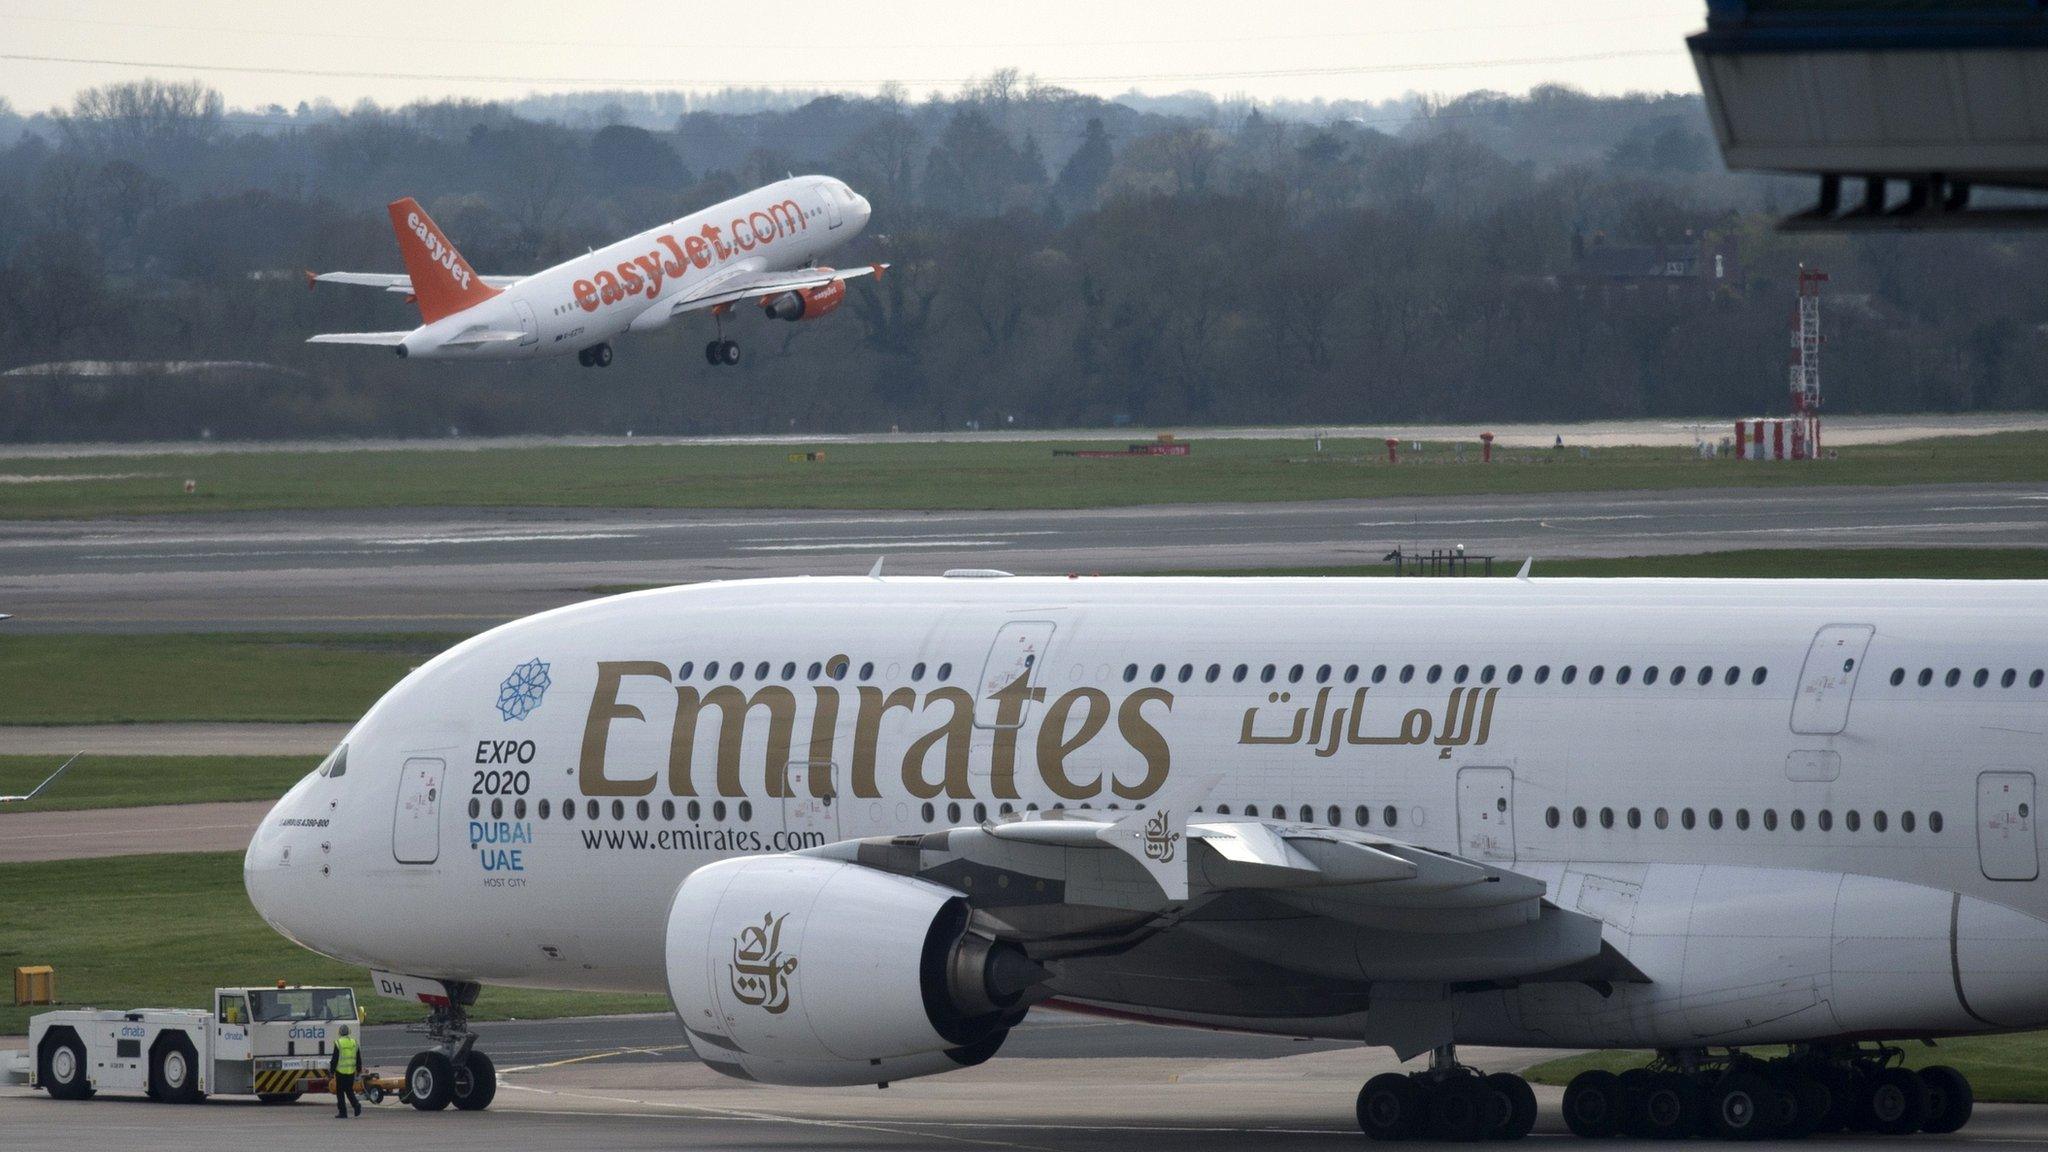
column 465, row 569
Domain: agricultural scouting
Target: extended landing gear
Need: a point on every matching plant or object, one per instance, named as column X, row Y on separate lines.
column 453, row 1071
column 726, row 352
column 595, row 356
column 1739, row 1097
column 1446, row 1101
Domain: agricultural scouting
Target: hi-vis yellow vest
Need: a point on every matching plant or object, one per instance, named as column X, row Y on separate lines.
column 345, row 1053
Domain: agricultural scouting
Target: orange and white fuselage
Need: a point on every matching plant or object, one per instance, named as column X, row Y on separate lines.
column 763, row 246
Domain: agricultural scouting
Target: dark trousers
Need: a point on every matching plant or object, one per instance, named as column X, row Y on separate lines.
column 345, row 1096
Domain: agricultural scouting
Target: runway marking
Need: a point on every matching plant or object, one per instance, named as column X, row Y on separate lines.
column 597, row 1056
column 871, row 545
column 1546, row 521
column 244, row 552
column 505, row 538
column 890, row 539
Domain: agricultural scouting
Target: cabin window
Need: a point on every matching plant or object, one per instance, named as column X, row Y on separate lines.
column 1187, row 673
column 1955, row 676
column 1390, row 816
column 1982, row 678
column 1758, row 676
column 980, row 812
column 1130, row 673
column 789, row 670
column 1713, row 819
column 542, row 810
column 1436, row 673
column 1770, row 819
column 945, row 672
column 760, row 671
column 1926, row 677
column 1649, row 675
column 1379, row 673
column 1407, row 673
column 1905, row 821
column 1542, row 673
column 1898, row 677
column 1336, row 816
column 683, row 671
column 928, row 812
column 1706, row 675
column 917, row 670
column 1363, row 815
column 1621, row 675
column 1607, row 817
column 1594, row 674
column 618, row 809
column 1934, row 822
column 1578, row 817
column 1852, row 819
column 590, row 809
column 1825, row 819
column 1214, row 671
column 640, row 810
column 1731, row 676
column 1570, row 673
column 1294, row 674
column 1266, row 674
column 1458, row 677
column 1307, row 815
column 1251, row 809
column 1486, row 674
column 668, row 809
column 812, row 672
column 1237, row 674
column 711, row 670
column 696, row 811
column 1158, row 673
column 2034, row 681
column 476, row 808
column 1514, row 673
column 1551, row 817
column 1323, row 674
column 953, row 812
column 568, row 809
column 1221, row 809
column 2006, row 680
column 737, row 669
column 1742, row 819
column 867, row 670
column 1677, row 675
column 836, row 668
column 1685, row 819
column 1798, row 820
column 1350, row 673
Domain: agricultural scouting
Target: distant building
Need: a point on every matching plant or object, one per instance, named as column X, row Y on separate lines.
column 1706, row 261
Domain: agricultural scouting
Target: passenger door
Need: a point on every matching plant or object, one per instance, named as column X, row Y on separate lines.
column 1012, row 667
column 833, row 216
column 529, row 329
column 1828, row 679
column 1486, row 813
column 2005, row 826
column 416, row 820
column 806, row 817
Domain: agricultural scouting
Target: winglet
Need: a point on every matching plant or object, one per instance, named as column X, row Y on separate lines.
column 312, row 280
column 443, row 283
column 879, row 269
column 875, row 573
column 1526, row 565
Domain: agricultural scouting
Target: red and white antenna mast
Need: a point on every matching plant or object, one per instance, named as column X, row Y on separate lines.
column 1806, row 357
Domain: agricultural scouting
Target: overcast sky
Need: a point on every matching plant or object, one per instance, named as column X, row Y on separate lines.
column 262, row 51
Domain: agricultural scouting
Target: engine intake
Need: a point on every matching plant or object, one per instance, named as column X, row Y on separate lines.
column 795, row 970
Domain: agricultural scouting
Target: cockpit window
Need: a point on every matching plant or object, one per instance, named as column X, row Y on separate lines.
column 336, row 762
column 266, row 1006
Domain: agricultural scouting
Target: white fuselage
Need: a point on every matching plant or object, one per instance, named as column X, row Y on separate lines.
column 600, row 295
column 1804, row 849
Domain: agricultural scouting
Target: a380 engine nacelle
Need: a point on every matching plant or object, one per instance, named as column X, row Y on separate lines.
column 797, row 970
column 805, row 303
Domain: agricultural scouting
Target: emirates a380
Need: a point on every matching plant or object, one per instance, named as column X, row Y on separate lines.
column 763, row 247
column 857, row 828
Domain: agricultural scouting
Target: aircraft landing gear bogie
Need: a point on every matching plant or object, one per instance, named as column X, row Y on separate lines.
column 722, row 352
column 453, row 1071
column 595, row 356
column 1735, row 1096
column 1447, row 1101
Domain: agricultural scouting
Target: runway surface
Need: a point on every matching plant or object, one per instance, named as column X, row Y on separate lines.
column 250, row 739
column 91, row 832
column 461, row 569
column 1841, row 430
column 1074, row 1084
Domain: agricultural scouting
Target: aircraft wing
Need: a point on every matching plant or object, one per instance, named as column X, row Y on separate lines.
column 386, row 339
column 1212, row 899
column 44, row 786
column 750, row 285
column 392, row 282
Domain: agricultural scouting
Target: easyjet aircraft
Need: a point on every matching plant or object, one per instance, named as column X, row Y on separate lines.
column 857, row 828
column 762, row 247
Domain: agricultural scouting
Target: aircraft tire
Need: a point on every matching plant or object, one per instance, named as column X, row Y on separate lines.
column 1393, row 1106
column 601, row 355
column 1459, row 1109
column 1808, row 1102
column 711, row 352
column 1743, row 1106
column 1896, row 1101
column 1592, row 1104
column 1665, row 1107
column 476, row 1083
column 583, row 357
column 430, row 1081
column 1520, row 1101
column 729, row 353
column 1949, row 1099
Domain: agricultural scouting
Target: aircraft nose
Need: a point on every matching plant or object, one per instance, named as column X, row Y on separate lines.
column 275, row 861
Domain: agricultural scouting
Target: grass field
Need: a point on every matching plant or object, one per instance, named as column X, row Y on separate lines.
column 67, row 679
column 137, row 931
column 129, row 781
column 1755, row 563
column 989, row 475
column 2012, row 1069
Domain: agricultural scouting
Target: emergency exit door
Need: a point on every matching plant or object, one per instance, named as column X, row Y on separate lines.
column 1016, row 655
column 1828, row 679
column 1486, row 813
column 2005, row 826
column 416, row 821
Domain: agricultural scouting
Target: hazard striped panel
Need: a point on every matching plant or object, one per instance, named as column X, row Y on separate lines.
column 279, row 1081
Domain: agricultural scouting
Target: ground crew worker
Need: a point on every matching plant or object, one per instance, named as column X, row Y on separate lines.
column 343, row 1067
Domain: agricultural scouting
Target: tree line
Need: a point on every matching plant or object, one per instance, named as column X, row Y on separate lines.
column 1058, row 260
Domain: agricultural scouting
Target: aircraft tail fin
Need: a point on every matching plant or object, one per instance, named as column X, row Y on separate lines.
column 443, row 283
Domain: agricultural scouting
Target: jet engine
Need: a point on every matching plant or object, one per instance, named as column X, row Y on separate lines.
column 795, row 970
column 805, row 303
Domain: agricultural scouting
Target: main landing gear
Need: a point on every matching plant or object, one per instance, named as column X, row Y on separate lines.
column 1816, row 1089
column 452, row 1071
column 595, row 356
column 1446, row 1101
column 725, row 352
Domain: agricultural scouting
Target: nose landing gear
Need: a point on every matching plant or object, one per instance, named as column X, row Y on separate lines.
column 452, row 1071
